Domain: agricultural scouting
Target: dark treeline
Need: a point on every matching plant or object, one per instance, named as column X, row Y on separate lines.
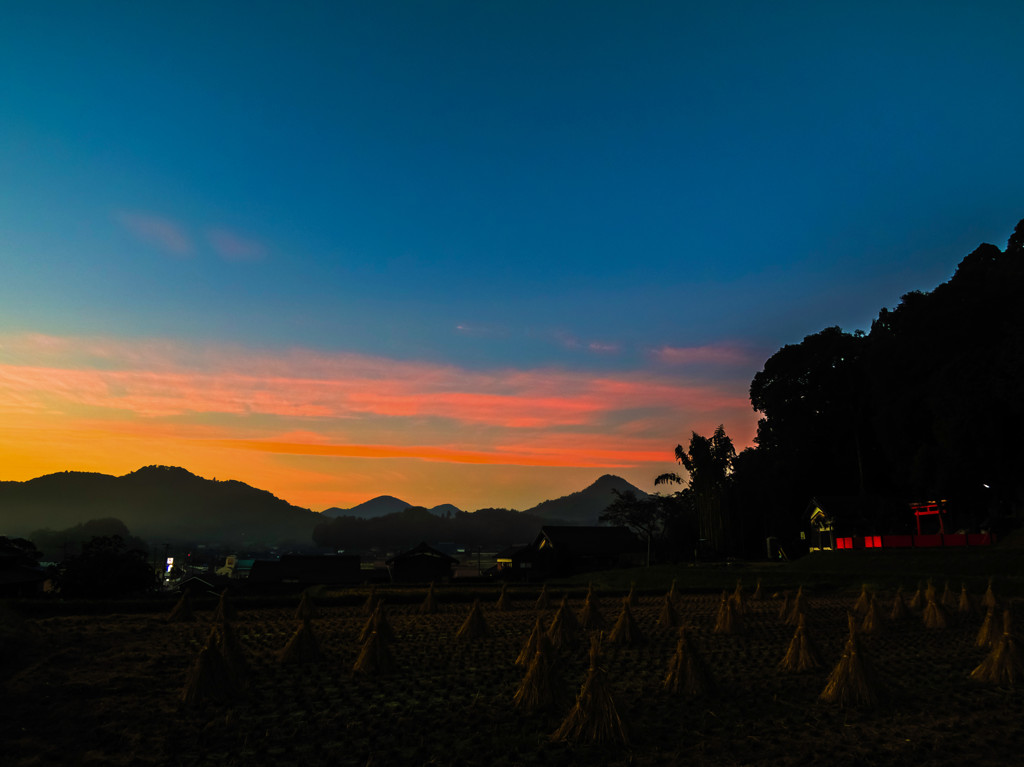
column 405, row 529
column 928, row 405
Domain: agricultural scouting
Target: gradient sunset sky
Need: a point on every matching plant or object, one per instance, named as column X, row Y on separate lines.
column 476, row 253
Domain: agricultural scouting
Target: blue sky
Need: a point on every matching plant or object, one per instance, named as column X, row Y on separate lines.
column 659, row 193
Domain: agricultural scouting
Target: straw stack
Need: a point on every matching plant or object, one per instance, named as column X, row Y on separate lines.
column 799, row 608
column 525, row 656
column 852, row 681
column 429, row 604
column 375, row 658
column 687, row 672
column 935, row 615
column 303, row 646
column 626, row 630
column 860, row 607
column 729, row 621
column 182, row 612
column 899, row 607
column 632, row 598
column 801, row 655
column 590, row 616
column 1003, row 665
column 474, row 627
column 668, row 617
column 872, row 623
column 987, row 635
column 564, row 629
column 504, row 604
column 543, row 599
column 225, row 611
column 541, row 688
column 595, row 717
column 306, row 608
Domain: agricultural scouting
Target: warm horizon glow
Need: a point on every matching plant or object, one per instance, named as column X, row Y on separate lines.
column 268, row 418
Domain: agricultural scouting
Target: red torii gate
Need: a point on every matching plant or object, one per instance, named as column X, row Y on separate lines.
column 929, row 509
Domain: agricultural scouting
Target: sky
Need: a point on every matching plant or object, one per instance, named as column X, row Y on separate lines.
column 477, row 253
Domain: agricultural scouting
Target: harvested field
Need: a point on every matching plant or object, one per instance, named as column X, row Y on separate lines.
column 106, row 690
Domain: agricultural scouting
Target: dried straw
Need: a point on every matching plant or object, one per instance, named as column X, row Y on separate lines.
column 799, row 608
column 966, row 605
column 303, row 646
column 917, row 601
column 786, row 607
column 729, row 620
column 377, row 622
column 1003, row 665
column 872, row 623
column 929, row 592
column 935, row 615
column 987, row 633
column 182, row 612
column 543, row 599
column 375, row 657
column 852, row 681
column 757, row 592
column 802, row 654
column 474, row 627
column 989, row 600
column 899, row 607
column 210, row 678
column 668, row 617
column 429, row 604
column 626, row 630
column 542, row 688
column 860, row 607
column 230, row 648
column 564, row 629
column 590, row 617
column 672, row 594
column 225, row 611
column 594, row 718
column 525, row 656
column 504, row 603
column 632, row 598
column 947, row 599
column 687, row 672
column 737, row 597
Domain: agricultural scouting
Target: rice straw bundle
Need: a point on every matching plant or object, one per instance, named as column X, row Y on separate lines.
column 872, row 623
column 590, row 592
column 525, row 656
column 989, row 600
column 543, row 599
column 626, row 630
column 632, row 598
column 899, row 607
column 729, row 621
column 737, row 597
column 503, row 604
column 799, row 608
column 929, row 592
column 852, row 681
column 182, row 612
column 590, row 617
column 687, row 672
column 210, row 678
column 371, row 602
column 594, row 718
column 305, row 610
column 672, row 594
column 935, row 616
column 1003, row 665
column 378, row 623
column 966, row 605
column 947, row 599
column 541, row 688
column 303, row 646
column 564, row 629
column 987, row 633
column 801, row 655
column 230, row 648
column 917, row 601
column 375, row 657
column 757, row 592
column 668, row 617
column 474, row 627
column 429, row 604
column 786, row 607
column 225, row 611
column 860, row 607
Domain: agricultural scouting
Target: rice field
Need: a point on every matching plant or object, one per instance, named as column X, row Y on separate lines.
column 108, row 690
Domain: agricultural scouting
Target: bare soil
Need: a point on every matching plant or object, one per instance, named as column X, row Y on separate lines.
column 106, row 690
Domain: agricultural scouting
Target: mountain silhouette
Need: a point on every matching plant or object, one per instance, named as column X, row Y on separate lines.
column 383, row 505
column 162, row 504
column 585, row 506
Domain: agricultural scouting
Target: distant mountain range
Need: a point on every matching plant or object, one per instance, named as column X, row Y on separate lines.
column 580, row 508
column 166, row 504
column 383, row 505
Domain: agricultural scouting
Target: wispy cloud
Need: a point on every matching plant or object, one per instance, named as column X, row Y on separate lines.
column 714, row 354
column 233, row 247
column 157, row 231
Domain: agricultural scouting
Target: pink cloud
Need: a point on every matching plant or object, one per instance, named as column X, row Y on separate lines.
column 233, row 247
column 716, row 354
column 157, row 231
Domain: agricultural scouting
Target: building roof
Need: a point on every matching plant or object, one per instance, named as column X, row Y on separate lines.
column 588, row 541
column 422, row 551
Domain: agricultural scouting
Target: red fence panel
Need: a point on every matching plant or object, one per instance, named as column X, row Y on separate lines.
column 926, row 541
column 954, row 539
column 897, row 541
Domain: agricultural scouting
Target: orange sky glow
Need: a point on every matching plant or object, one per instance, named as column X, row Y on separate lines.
column 335, row 429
